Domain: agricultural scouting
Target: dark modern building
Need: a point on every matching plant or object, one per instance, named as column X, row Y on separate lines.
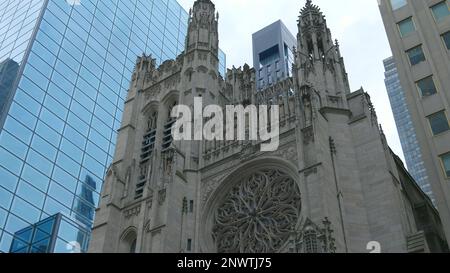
column 272, row 54
column 405, row 128
column 59, row 128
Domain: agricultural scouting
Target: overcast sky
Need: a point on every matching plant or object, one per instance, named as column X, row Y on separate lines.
column 356, row 24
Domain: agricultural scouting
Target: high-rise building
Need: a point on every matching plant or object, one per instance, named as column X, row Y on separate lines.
column 332, row 185
column 60, row 123
column 419, row 35
column 8, row 73
column 405, row 128
column 272, row 54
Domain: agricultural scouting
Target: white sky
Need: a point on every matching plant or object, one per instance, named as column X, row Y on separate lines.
column 356, row 24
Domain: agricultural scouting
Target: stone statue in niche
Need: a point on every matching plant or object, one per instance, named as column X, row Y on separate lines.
column 168, row 167
column 168, row 157
column 152, row 121
column 311, row 102
column 307, row 109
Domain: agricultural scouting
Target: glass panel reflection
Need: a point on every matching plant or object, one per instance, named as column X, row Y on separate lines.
column 60, row 125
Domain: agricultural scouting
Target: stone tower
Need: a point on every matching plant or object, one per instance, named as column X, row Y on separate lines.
column 332, row 186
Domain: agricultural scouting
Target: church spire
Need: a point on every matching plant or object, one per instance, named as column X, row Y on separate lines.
column 313, row 35
column 203, row 27
column 318, row 57
column 310, row 7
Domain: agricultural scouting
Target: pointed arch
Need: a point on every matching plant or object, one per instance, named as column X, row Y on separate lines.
column 128, row 240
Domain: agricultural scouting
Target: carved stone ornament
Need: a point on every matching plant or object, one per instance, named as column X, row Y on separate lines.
column 313, row 239
column 308, row 135
column 161, row 196
column 132, row 212
column 249, row 151
column 258, row 215
column 289, row 154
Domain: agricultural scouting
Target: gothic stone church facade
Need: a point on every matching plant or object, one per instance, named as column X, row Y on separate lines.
column 332, row 186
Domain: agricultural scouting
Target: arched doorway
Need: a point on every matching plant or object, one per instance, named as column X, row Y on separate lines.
column 128, row 241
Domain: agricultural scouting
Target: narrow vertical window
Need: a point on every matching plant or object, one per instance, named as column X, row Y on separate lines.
column 446, row 38
column 167, row 138
column 446, row 164
column 189, row 245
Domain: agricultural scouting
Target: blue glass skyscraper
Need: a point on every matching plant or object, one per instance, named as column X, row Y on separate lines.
column 406, row 131
column 59, row 124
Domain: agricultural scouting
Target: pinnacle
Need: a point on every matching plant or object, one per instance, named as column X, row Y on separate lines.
column 310, row 7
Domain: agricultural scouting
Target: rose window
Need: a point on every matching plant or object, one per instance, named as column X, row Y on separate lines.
column 258, row 215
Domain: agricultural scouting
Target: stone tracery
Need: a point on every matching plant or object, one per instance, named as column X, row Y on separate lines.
column 259, row 214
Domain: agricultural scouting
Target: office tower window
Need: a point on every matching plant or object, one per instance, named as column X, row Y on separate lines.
column 396, row 4
column 416, row 55
column 427, row 87
column 446, row 164
column 439, row 123
column 191, row 206
column 440, row 11
column 270, row 79
column 269, row 69
column 260, row 73
column 277, row 65
column 269, row 55
column 446, row 38
column 406, row 27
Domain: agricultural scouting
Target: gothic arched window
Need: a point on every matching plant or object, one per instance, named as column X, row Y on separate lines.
column 167, row 135
column 147, row 150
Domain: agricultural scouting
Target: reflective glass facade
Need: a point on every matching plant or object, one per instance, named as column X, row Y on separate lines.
column 60, row 126
column 8, row 74
column 53, row 234
column 406, row 131
column 222, row 63
column 17, row 21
